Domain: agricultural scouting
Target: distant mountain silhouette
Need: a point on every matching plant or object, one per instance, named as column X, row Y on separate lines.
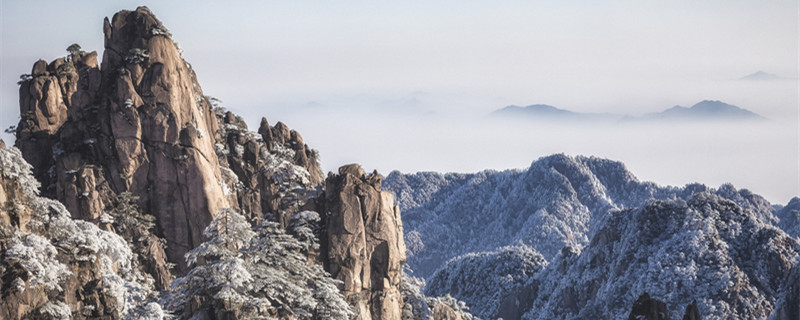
column 548, row 112
column 761, row 76
column 706, row 110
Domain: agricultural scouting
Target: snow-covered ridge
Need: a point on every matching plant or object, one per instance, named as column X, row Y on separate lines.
column 556, row 202
column 491, row 283
column 608, row 236
column 706, row 248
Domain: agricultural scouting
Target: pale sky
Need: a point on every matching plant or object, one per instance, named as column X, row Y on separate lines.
column 414, row 78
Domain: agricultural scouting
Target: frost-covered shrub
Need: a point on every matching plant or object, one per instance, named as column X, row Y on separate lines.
column 160, row 30
column 24, row 78
column 459, row 307
column 305, row 226
column 55, row 310
column 137, row 56
column 39, row 258
column 128, row 218
column 148, row 311
column 15, row 167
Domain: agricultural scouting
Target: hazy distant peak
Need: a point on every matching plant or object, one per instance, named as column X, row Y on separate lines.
column 760, row 76
column 550, row 113
column 539, row 109
column 716, row 106
column 706, row 110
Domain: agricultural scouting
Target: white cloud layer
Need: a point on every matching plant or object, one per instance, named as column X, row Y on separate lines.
column 404, row 86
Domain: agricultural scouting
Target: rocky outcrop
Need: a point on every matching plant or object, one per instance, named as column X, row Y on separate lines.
column 136, row 136
column 263, row 175
column 647, row 308
column 44, row 97
column 364, row 242
column 444, row 312
column 303, row 155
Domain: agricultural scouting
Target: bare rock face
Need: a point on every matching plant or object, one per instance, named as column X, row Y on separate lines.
column 692, row 312
column 646, row 308
column 364, row 242
column 162, row 129
column 44, row 97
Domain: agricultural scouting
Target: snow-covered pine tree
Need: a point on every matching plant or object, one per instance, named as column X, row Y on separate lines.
column 305, row 226
column 219, row 281
column 244, row 272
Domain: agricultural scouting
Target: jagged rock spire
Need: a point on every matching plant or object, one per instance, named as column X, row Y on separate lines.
column 364, row 245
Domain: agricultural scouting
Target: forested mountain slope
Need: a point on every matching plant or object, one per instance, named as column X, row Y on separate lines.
column 556, row 202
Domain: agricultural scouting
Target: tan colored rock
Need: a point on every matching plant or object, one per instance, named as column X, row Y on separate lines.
column 43, row 111
column 442, row 311
column 39, row 68
column 364, row 245
column 163, row 133
column 142, row 124
column 266, row 133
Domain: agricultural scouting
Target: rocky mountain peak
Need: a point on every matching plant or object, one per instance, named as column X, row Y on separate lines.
column 140, row 123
